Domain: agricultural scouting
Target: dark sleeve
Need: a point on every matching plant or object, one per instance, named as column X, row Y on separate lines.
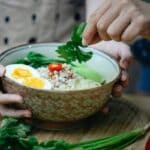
column 141, row 51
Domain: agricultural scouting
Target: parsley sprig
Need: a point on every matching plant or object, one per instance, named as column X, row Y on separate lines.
column 71, row 51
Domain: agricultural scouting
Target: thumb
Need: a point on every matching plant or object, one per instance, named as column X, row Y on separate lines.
column 125, row 56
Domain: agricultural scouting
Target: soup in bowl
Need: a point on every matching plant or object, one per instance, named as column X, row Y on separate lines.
column 58, row 91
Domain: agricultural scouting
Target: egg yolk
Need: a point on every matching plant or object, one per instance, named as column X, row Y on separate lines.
column 34, row 82
column 20, row 73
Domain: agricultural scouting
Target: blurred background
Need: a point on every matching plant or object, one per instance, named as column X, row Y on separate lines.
column 139, row 71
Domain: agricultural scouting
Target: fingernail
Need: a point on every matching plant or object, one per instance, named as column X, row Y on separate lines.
column 84, row 43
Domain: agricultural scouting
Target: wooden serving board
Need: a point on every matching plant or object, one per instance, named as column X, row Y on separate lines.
column 122, row 117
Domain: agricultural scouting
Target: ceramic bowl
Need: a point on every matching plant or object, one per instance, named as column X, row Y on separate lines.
column 62, row 106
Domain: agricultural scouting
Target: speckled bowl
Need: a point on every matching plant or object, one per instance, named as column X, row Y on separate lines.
column 62, row 106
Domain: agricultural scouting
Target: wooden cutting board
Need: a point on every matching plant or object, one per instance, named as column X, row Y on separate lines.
column 122, row 117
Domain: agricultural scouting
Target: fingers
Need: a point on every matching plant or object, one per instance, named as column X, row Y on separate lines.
column 4, row 111
column 88, row 35
column 2, row 71
column 125, row 56
column 124, row 79
column 117, row 90
column 10, row 98
column 95, row 40
column 118, row 20
column 132, row 31
column 119, row 86
column 105, row 21
column 117, row 27
column 91, row 28
column 124, row 64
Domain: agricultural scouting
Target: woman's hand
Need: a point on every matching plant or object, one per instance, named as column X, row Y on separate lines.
column 120, row 20
column 6, row 99
column 121, row 52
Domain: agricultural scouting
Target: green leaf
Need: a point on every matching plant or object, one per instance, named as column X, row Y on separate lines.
column 67, row 52
column 76, row 35
column 37, row 60
column 30, row 142
column 71, row 51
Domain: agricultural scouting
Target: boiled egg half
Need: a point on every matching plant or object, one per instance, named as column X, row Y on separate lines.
column 27, row 76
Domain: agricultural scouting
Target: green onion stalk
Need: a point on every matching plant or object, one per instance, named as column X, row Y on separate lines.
column 116, row 142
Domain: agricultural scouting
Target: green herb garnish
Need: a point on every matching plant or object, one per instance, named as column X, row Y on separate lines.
column 11, row 131
column 68, row 52
column 13, row 136
column 37, row 60
column 71, row 51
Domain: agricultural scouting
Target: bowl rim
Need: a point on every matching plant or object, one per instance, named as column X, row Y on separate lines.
column 61, row 91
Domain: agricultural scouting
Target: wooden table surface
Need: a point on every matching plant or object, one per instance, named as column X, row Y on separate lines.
column 125, row 114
